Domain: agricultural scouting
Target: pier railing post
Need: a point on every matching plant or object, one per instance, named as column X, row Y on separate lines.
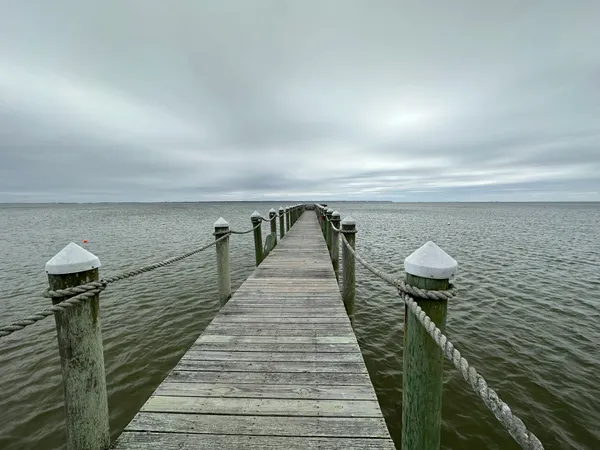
column 335, row 243
column 81, row 353
column 287, row 218
column 273, row 220
column 223, row 271
column 256, row 219
column 349, row 269
column 328, row 214
column 427, row 268
column 281, row 223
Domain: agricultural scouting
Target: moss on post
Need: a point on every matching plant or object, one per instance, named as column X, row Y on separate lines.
column 349, row 271
column 281, row 223
column 427, row 268
column 223, row 270
column 256, row 220
column 335, row 243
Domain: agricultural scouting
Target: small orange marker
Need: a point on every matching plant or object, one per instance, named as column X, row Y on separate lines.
column 85, row 241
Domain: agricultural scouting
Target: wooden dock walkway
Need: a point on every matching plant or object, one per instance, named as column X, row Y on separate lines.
column 278, row 367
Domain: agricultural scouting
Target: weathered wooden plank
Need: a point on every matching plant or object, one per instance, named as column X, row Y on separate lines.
column 268, row 331
column 306, row 378
column 204, row 355
column 263, row 407
column 252, row 319
column 276, row 348
column 279, row 367
column 364, row 427
column 178, row 441
column 349, row 339
column 272, row 366
column 292, row 391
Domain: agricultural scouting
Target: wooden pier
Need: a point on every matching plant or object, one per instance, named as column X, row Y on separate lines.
column 278, row 367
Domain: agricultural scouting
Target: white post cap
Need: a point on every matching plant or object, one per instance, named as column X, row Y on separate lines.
column 430, row 261
column 272, row 210
column 335, row 214
column 221, row 223
column 255, row 214
column 281, row 208
column 348, row 221
column 329, row 210
column 72, row 259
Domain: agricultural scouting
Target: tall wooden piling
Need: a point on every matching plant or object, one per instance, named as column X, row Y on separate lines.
column 256, row 219
column 281, row 222
column 430, row 268
column 81, row 353
column 349, row 269
column 335, row 243
column 328, row 214
column 223, row 270
column 287, row 218
column 273, row 221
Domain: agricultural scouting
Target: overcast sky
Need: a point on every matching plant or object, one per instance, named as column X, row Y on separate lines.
column 154, row 100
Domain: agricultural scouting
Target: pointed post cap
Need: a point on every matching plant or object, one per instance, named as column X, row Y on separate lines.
column 329, row 210
column 221, row 223
column 336, row 214
column 430, row 261
column 348, row 221
column 272, row 211
column 72, row 259
column 255, row 214
column 280, row 208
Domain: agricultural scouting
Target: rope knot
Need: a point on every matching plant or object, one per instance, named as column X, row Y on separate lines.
column 426, row 294
column 75, row 290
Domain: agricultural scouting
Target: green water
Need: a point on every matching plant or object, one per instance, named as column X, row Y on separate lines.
column 526, row 316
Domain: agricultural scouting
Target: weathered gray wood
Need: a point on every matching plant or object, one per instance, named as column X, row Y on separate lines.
column 81, row 357
column 223, row 272
column 272, row 366
column 178, row 441
column 365, row 427
column 279, row 365
column 281, row 391
column 306, row 378
column 263, row 407
column 214, row 355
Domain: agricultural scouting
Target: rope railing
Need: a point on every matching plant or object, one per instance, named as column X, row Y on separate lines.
column 83, row 292
column 513, row 424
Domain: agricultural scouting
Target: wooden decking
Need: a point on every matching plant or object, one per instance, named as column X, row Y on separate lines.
column 278, row 367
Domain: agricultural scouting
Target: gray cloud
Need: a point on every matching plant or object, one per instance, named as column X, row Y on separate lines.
column 149, row 101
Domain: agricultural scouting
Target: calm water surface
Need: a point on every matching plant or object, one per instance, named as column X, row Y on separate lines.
column 527, row 315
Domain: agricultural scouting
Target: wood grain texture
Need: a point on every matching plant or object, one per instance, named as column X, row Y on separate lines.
column 179, row 441
column 278, row 367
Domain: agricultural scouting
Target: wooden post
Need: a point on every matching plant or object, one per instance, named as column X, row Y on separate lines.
column 328, row 214
column 349, row 275
column 256, row 219
column 335, row 243
column 281, row 223
column 287, row 218
column 427, row 268
column 223, row 271
column 273, row 219
column 81, row 353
